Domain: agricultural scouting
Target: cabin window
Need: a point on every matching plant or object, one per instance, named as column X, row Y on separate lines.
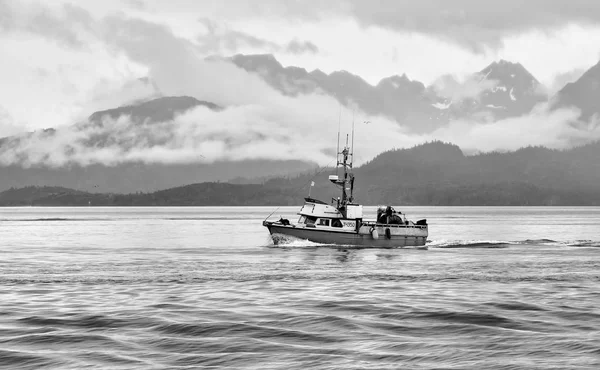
column 324, row 222
column 310, row 220
column 302, row 219
column 336, row 223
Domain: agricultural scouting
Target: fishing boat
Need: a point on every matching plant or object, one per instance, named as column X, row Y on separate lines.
column 342, row 223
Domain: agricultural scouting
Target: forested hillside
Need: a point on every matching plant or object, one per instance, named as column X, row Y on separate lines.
column 435, row 173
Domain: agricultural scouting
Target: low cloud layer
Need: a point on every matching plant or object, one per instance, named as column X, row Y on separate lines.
column 295, row 128
column 291, row 128
column 556, row 129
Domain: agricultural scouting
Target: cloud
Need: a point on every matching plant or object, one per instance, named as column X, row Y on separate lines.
column 63, row 23
column 257, row 122
column 7, row 124
column 456, row 90
column 222, row 39
column 137, row 4
column 6, row 16
column 55, row 64
column 301, row 47
column 563, row 79
column 556, row 129
column 472, row 23
column 65, row 26
column 107, row 94
column 176, row 67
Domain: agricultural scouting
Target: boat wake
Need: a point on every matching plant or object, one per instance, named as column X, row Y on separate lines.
column 506, row 244
column 286, row 241
column 467, row 244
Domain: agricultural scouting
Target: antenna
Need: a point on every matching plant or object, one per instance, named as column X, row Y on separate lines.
column 352, row 150
column 337, row 152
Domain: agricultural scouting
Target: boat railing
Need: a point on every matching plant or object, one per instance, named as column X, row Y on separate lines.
column 377, row 224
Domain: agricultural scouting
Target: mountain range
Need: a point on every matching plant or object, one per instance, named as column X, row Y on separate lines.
column 500, row 90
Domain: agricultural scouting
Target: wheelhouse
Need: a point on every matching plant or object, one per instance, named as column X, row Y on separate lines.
column 312, row 221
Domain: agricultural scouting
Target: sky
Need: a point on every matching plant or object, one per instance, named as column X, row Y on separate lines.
column 62, row 60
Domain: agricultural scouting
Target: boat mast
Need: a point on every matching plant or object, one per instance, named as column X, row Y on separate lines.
column 352, row 161
column 346, row 163
column 337, row 151
column 352, row 151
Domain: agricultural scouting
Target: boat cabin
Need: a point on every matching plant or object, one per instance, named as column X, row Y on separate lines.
column 318, row 214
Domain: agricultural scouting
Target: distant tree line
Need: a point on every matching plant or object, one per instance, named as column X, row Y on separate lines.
column 434, row 173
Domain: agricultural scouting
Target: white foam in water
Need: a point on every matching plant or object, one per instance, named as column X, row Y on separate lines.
column 293, row 242
column 287, row 241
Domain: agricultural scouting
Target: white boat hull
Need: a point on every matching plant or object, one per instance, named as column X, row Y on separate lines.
column 394, row 238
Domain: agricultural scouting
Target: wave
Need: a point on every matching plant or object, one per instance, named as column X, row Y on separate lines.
column 222, row 277
column 10, row 359
column 58, row 219
column 86, row 321
column 516, row 306
column 54, row 219
column 537, row 241
column 467, row 244
column 567, row 243
column 38, row 219
column 473, row 318
column 585, row 243
column 200, row 218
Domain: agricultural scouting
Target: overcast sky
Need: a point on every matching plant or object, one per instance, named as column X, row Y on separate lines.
column 61, row 60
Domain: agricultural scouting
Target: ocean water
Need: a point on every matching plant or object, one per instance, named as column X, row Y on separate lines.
column 196, row 288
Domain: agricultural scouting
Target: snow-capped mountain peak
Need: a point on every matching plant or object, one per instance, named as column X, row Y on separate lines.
column 514, row 89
